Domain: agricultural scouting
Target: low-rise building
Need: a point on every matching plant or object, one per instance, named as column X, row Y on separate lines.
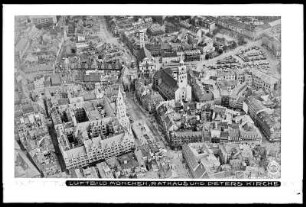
column 192, row 55
column 201, row 161
column 156, row 29
column 264, row 81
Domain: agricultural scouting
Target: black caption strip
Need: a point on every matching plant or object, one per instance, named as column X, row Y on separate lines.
column 173, row 183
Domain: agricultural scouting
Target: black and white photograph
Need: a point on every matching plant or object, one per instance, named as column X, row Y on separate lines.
column 137, row 99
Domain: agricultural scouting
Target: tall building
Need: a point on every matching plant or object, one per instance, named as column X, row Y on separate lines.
column 141, row 40
column 183, row 93
column 88, row 131
column 121, row 111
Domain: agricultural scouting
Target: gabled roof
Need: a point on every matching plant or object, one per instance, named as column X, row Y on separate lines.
column 200, row 171
column 190, row 158
column 167, row 78
column 143, row 53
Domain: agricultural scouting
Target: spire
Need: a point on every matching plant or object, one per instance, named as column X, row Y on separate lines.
column 119, row 93
column 181, row 60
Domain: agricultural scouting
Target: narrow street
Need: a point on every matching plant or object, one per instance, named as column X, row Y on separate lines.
column 58, row 153
column 53, row 136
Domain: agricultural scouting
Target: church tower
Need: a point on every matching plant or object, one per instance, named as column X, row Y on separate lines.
column 121, row 111
column 141, row 39
column 183, row 93
column 182, row 74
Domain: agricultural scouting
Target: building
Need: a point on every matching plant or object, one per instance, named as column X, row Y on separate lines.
column 226, row 75
column 269, row 126
column 147, row 66
column 192, row 55
column 156, row 29
column 201, row 93
column 209, row 23
column 251, row 31
column 32, row 131
column 170, row 27
column 273, row 44
column 88, row 150
column 39, row 84
column 253, row 106
column 104, row 170
column 201, row 161
column 147, row 97
column 121, row 111
column 267, row 122
column 89, row 131
column 154, row 48
column 196, row 168
column 142, row 133
column 181, row 123
column 264, row 81
column 180, row 137
column 141, row 39
column 39, row 20
column 56, row 80
column 184, row 89
column 169, row 57
column 173, row 88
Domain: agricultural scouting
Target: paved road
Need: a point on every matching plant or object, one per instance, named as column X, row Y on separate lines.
column 24, row 150
column 138, row 113
column 56, row 148
column 53, row 136
column 108, row 37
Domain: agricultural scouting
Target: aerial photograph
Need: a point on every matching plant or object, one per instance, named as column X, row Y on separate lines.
column 147, row 97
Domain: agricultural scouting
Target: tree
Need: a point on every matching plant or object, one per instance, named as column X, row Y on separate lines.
column 207, row 56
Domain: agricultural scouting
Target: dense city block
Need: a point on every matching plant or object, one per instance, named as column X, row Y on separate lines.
column 148, row 97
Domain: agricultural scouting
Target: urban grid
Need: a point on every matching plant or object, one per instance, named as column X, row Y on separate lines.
column 147, row 97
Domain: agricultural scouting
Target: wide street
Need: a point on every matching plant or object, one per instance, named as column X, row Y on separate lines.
column 108, row 37
column 136, row 112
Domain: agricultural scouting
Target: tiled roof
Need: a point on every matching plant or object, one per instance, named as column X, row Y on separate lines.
column 190, row 158
column 55, row 80
column 197, row 169
column 199, row 172
column 167, row 78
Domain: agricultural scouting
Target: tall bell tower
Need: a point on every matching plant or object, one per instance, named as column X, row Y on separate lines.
column 182, row 74
column 141, row 39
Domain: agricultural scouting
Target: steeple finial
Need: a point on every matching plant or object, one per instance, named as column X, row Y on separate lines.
column 181, row 60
